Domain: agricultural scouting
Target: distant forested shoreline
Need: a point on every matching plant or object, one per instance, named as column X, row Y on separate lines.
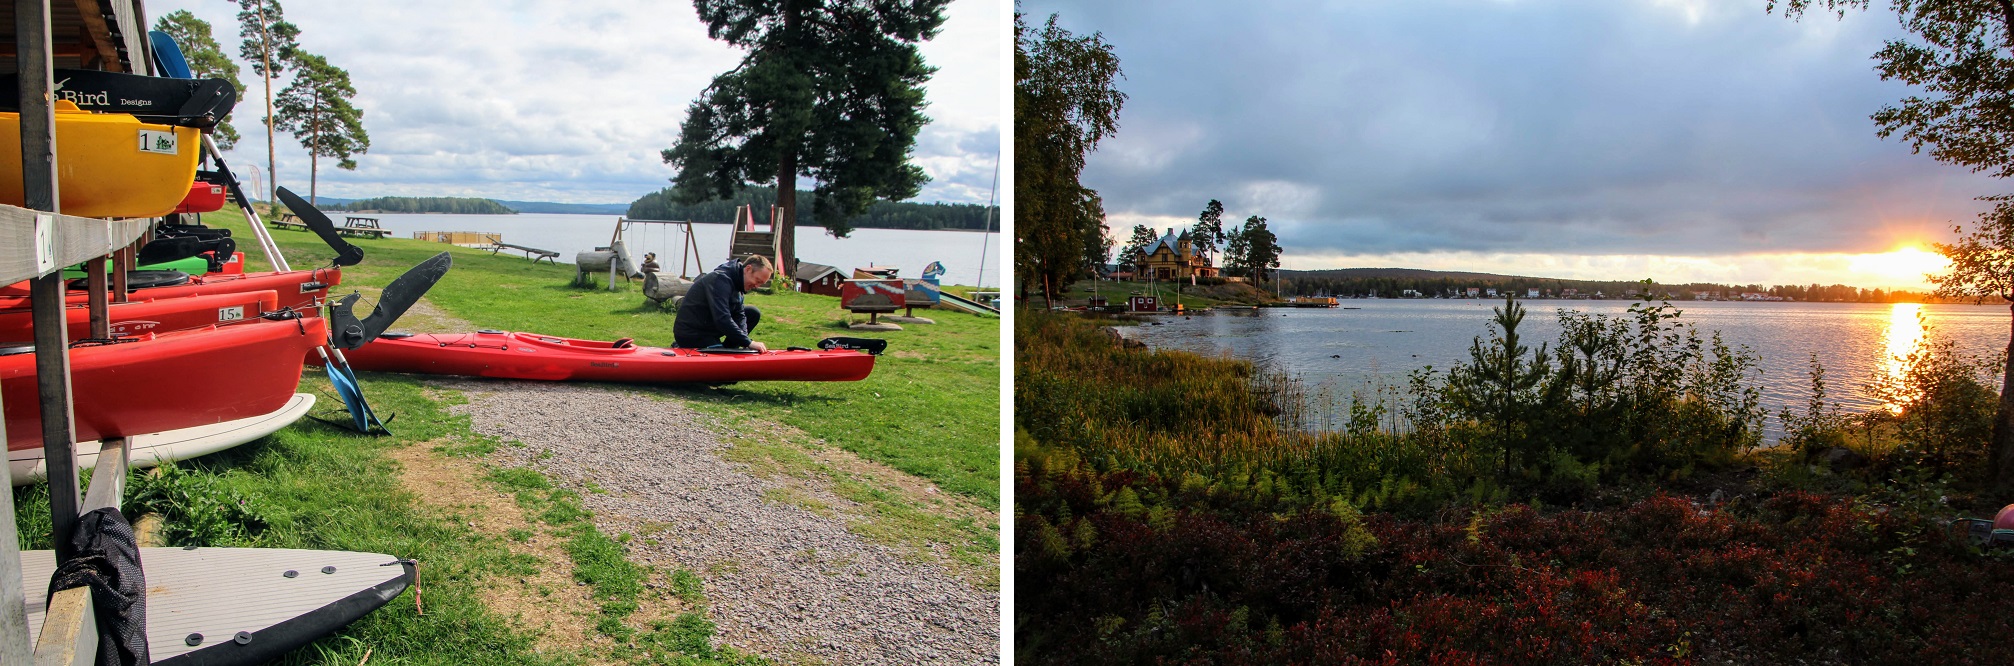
column 1417, row 283
column 457, row 205
column 883, row 215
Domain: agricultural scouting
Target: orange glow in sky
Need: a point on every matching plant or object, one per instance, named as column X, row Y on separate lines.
column 1904, row 265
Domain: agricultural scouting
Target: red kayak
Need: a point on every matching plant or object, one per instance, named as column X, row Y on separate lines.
column 533, row 356
column 154, row 315
column 170, row 381
column 300, row 290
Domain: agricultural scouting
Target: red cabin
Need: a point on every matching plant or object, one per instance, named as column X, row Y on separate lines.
column 818, row 279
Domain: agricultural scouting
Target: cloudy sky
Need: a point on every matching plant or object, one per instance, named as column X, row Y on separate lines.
column 567, row 100
column 1619, row 139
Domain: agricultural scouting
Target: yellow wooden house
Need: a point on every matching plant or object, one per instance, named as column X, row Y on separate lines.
column 1171, row 257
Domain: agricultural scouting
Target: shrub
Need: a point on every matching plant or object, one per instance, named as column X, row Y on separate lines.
column 1942, row 404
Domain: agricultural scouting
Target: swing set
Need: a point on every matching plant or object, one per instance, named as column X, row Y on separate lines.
column 661, row 290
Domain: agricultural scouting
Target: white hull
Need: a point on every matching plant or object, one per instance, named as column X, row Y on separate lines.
column 27, row 465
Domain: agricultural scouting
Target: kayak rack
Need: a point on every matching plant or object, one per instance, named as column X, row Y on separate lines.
column 36, row 242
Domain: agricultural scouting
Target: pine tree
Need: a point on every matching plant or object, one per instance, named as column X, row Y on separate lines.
column 269, row 44
column 1136, row 248
column 1209, row 231
column 206, row 60
column 316, row 110
column 830, row 89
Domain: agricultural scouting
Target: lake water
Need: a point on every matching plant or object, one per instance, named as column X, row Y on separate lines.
column 1385, row 339
column 567, row 234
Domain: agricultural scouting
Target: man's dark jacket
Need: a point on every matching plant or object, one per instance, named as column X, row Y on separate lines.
column 712, row 307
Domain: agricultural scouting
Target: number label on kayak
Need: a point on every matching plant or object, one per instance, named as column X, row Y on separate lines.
column 231, row 313
column 158, row 142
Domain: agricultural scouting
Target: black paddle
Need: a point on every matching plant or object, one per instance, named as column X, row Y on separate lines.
column 346, row 254
column 348, row 332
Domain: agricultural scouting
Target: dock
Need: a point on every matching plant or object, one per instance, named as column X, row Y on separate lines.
column 1305, row 302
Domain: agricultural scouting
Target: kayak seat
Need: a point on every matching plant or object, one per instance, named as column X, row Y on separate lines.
column 624, row 343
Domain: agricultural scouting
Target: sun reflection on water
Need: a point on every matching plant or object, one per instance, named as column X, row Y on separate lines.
column 1904, row 335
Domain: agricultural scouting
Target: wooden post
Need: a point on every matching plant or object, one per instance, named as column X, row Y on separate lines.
column 101, row 317
column 15, row 646
column 69, row 630
column 39, row 188
column 122, row 261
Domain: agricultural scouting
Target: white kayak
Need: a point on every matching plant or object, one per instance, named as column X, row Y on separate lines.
column 27, row 465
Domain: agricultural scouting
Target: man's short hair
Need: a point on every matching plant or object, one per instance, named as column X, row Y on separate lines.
column 758, row 261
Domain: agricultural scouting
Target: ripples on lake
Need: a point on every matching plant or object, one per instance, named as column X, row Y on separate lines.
column 1337, row 351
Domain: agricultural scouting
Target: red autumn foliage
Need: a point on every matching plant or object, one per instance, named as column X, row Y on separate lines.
column 1797, row 577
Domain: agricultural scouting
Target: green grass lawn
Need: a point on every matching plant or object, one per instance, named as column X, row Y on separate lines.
column 930, row 409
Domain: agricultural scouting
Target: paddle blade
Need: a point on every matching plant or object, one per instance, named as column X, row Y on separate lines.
column 349, row 332
column 346, row 254
column 353, row 396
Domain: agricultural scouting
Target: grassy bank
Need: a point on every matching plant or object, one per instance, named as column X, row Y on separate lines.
column 1169, row 509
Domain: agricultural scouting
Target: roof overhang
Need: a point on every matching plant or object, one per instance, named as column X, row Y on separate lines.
column 108, row 35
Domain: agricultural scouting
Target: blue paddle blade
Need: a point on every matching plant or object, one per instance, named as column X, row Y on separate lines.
column 353, row 396
column 370, row 415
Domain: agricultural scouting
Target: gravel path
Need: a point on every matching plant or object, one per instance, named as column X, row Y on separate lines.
column 783, row 582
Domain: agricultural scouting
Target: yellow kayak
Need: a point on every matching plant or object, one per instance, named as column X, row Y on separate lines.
column 107, row 164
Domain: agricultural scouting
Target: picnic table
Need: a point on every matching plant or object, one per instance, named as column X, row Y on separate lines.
column 532, row 253
column 363, row 226
column 289, row 221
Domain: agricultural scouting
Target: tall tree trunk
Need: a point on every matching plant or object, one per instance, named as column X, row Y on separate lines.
column 314, row 152
column 786, row 167
column 266, row 56
column 786, row 211
column 2002, row 474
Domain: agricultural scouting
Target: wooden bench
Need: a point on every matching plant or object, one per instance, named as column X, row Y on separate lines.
column 532, row 253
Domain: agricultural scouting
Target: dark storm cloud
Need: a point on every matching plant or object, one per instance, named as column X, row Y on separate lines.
column 1585, row 126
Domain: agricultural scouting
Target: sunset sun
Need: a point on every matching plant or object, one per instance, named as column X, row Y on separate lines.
column 1907, row 264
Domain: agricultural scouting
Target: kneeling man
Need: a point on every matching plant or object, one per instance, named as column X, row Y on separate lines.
column 712, row 313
